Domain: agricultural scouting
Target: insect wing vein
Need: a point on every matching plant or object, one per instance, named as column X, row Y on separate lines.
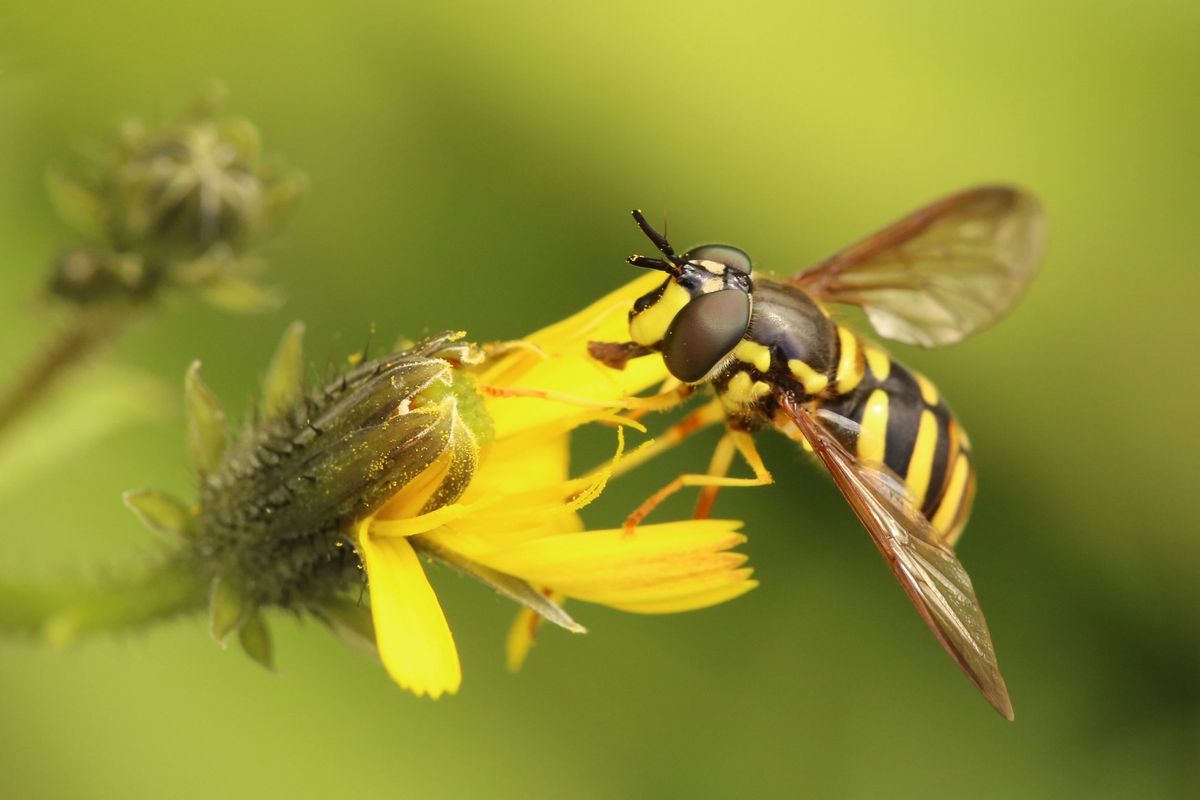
column 930, row 574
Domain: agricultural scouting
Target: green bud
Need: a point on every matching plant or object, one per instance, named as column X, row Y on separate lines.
column 189, row 188
column 279, row 503
column 198, row 189
column 160, row 512
column 206, row 430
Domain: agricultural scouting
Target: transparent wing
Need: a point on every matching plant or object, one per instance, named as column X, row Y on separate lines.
column 929, row 572
column 943, row 272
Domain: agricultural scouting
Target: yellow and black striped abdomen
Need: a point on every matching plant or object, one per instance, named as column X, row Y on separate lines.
column 904, row 424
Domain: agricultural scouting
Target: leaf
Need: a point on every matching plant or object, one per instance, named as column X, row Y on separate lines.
column 283, row 388
column 160, row 512
column 227, row 610
column 255, row 638
column 207, row 432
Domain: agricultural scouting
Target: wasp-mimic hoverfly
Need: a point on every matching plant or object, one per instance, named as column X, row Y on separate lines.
column 776, row 358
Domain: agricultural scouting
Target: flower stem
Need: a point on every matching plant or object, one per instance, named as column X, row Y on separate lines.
column 83, row 334
column 64, row 611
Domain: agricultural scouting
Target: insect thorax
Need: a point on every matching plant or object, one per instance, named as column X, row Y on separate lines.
column 790, row 347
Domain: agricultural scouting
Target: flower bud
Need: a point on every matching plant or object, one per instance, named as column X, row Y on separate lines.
column 277, row 502
column 184, row 202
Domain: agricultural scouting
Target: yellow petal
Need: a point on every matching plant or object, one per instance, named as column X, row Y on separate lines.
column 480, row 535
column 519, row 464
column 680, row 563
column 665, row 544
column 561, row 363
column 423, row 523
column 412, row 496
column 690, row 602
column 414, row 641
column 498, row 512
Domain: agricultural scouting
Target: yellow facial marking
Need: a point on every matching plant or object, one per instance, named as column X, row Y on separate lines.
column 743, row 392
column 872, row 436
column 650, row 326
column 753, row 353
column 850, row 365
column 878, row 361
column 929, row 392
column 813, row 382
column 920, row 465
column 944, row 518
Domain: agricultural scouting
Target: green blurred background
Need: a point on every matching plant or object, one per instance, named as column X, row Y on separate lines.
column 473, row 166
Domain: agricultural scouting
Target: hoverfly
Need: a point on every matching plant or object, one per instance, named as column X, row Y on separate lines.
column 776, row 358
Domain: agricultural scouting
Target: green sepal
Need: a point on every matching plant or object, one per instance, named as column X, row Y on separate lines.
column 280, row 198
column 255, row 638
column 243, row 135
column 350, row 621
column 515, row 589
column 207, row 433
column 283, row 387
column 242, row 295
column 76, row 203
column 227, row 610
column 160, row 512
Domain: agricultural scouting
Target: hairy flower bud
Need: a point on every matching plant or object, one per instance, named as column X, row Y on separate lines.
column 275, row 509
column 184, row 201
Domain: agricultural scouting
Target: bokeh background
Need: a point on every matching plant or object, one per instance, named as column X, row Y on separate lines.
column 472, row 165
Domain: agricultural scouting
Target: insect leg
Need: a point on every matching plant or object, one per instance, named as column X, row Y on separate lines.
column 718, row 466
column 698, row 420
column 743, row 443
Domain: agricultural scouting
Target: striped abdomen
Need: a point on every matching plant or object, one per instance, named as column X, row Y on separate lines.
column 903, row 423
column 793, row 345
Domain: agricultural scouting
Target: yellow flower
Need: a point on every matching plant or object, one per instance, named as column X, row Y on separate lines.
column 516, row 524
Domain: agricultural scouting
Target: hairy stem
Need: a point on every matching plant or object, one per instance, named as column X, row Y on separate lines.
column 83, row 334
column 66, row 610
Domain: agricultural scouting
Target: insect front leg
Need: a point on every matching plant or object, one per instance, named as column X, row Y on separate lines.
column 698, row 420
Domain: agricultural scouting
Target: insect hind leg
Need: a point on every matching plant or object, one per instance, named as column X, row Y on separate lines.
column 743, row 443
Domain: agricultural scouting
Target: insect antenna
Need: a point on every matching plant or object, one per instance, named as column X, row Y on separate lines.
column 673, row 264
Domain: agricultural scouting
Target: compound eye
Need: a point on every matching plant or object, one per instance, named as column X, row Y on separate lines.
column 725, row 254
column 705, row 331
